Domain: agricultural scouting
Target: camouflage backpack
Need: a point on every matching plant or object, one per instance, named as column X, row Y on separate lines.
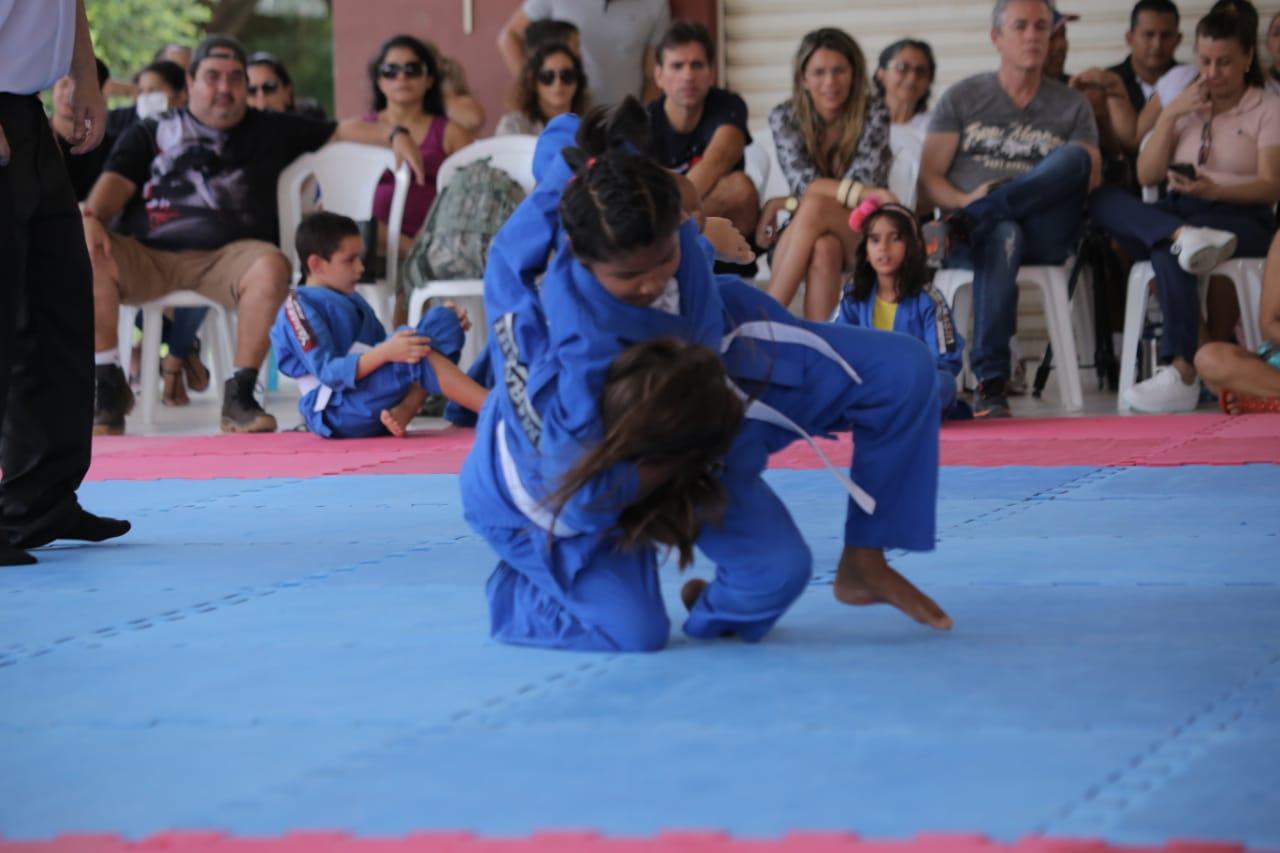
column 467, row 213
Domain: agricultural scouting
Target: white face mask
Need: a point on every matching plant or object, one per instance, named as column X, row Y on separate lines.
column 151, row 104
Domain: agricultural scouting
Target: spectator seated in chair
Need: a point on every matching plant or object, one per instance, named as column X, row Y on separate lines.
column 832, row 139
column 1011, row 203
column 699, row 130
column 551, row 83
column 196, row 187
column 1218, row 146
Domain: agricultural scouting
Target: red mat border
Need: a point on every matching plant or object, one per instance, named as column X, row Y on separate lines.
column 1044, row 442
column 587, row 842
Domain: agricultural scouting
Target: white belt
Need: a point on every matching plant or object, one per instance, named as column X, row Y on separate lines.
column 308, row 382
column 756, row 410
column 534, row 511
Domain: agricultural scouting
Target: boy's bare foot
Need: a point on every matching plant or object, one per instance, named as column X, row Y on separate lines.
column 864, row 577
column 691, row 592
column 395, row 422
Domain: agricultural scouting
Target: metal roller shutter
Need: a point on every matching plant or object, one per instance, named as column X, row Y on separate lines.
column 760, row 37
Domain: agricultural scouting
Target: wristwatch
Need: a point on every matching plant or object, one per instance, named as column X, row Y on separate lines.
column 395, row 131
column 791, row 204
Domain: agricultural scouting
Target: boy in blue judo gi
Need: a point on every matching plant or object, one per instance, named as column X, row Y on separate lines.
column 629, row 272
column 889, row 291
column 355, row 380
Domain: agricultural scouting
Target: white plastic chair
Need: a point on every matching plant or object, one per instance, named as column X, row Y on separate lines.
column 347, row 174
column 906, row 145
column 956, row 287
column 756, row 163
column 513, row 155
column 219, row 326
column 1244, row 273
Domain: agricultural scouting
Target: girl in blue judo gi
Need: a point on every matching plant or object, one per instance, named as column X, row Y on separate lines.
column 356, row 381
column 889, row 290
column 626, row 271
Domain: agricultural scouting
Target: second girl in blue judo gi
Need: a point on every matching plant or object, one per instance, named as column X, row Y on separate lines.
column 355, row 380
column 889, row 290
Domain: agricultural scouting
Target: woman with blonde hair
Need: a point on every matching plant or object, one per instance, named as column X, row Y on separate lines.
column 832, row 138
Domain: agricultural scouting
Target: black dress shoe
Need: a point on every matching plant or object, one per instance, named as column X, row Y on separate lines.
column 83, row 526
column 15, row 557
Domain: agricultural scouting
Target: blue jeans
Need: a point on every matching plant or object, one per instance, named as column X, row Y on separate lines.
column 1144, row 231
column 1033, row 219
column 180, row 332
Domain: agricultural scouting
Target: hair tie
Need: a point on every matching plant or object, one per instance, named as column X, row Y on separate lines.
column 860, row 213
column 591, row 162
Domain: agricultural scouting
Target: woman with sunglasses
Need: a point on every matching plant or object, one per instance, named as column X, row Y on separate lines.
column 408, row 98
column 904, row 78
column 550, row 83
column 1218, row 146
column 270, row 86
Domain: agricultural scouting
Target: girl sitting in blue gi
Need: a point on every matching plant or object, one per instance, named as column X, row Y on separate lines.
column 626, row 271
column 889, row 290
column 356, row 381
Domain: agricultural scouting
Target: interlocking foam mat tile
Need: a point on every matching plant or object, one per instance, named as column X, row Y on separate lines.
column 271, row 655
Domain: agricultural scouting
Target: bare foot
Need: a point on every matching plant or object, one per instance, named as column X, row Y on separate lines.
column 691, row 592
column 864, row 577
column 395, row 422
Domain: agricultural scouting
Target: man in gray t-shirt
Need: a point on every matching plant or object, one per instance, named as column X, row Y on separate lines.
column 619, row 41
column 1012, row 155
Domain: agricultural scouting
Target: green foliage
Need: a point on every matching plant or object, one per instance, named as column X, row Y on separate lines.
column 126, row 33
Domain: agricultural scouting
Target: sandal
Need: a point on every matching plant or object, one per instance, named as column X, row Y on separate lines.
column 174, row 392
column 197, row 375
column 1247, row 404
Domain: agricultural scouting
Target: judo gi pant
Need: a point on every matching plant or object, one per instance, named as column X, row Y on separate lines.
column 46, row 331
column 357, row 413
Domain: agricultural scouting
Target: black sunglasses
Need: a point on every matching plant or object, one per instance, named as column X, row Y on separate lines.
column 392, row 70
column 567, row 76
column 268, row 88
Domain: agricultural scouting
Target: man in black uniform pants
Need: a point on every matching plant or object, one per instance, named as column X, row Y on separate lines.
column 46, row 284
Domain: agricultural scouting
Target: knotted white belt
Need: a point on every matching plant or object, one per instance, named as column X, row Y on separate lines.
column 765, row 330
column 308, row 382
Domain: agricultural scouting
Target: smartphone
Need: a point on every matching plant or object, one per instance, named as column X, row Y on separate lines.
column 1186, row 170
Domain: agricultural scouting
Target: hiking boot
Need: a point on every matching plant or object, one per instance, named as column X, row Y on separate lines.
column 990, row 401
column 113, row 399
column 240, row 409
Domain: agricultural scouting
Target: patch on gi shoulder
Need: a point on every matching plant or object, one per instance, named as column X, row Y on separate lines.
column 515, row 377
column 297, row 317
column 942, row 321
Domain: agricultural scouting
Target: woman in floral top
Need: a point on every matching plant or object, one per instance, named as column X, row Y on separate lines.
column 832, row 138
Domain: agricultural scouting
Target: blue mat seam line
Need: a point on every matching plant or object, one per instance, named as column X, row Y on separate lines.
column 1102, row 804
column 1093, row 475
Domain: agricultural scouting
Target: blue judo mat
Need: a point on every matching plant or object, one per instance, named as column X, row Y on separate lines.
column 260, row 656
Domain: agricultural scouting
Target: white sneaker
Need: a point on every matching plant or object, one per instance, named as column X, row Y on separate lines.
column 1164, row 393
column 1199, row 250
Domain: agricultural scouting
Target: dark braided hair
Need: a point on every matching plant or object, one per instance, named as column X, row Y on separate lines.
column 618, row 201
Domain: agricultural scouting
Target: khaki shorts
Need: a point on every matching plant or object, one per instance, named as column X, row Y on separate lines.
column 147, row 274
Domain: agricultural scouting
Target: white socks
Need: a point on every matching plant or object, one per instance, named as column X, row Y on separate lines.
column 107, row 356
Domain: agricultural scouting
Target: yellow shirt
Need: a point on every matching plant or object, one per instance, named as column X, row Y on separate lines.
column 883, row 314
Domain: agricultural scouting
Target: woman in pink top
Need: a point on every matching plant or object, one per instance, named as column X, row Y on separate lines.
column 407, row 98
column 1218, row 146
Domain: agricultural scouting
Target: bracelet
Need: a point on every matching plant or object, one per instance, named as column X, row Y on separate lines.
column 396, row 131
column 842, row 192
column 854, row 195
